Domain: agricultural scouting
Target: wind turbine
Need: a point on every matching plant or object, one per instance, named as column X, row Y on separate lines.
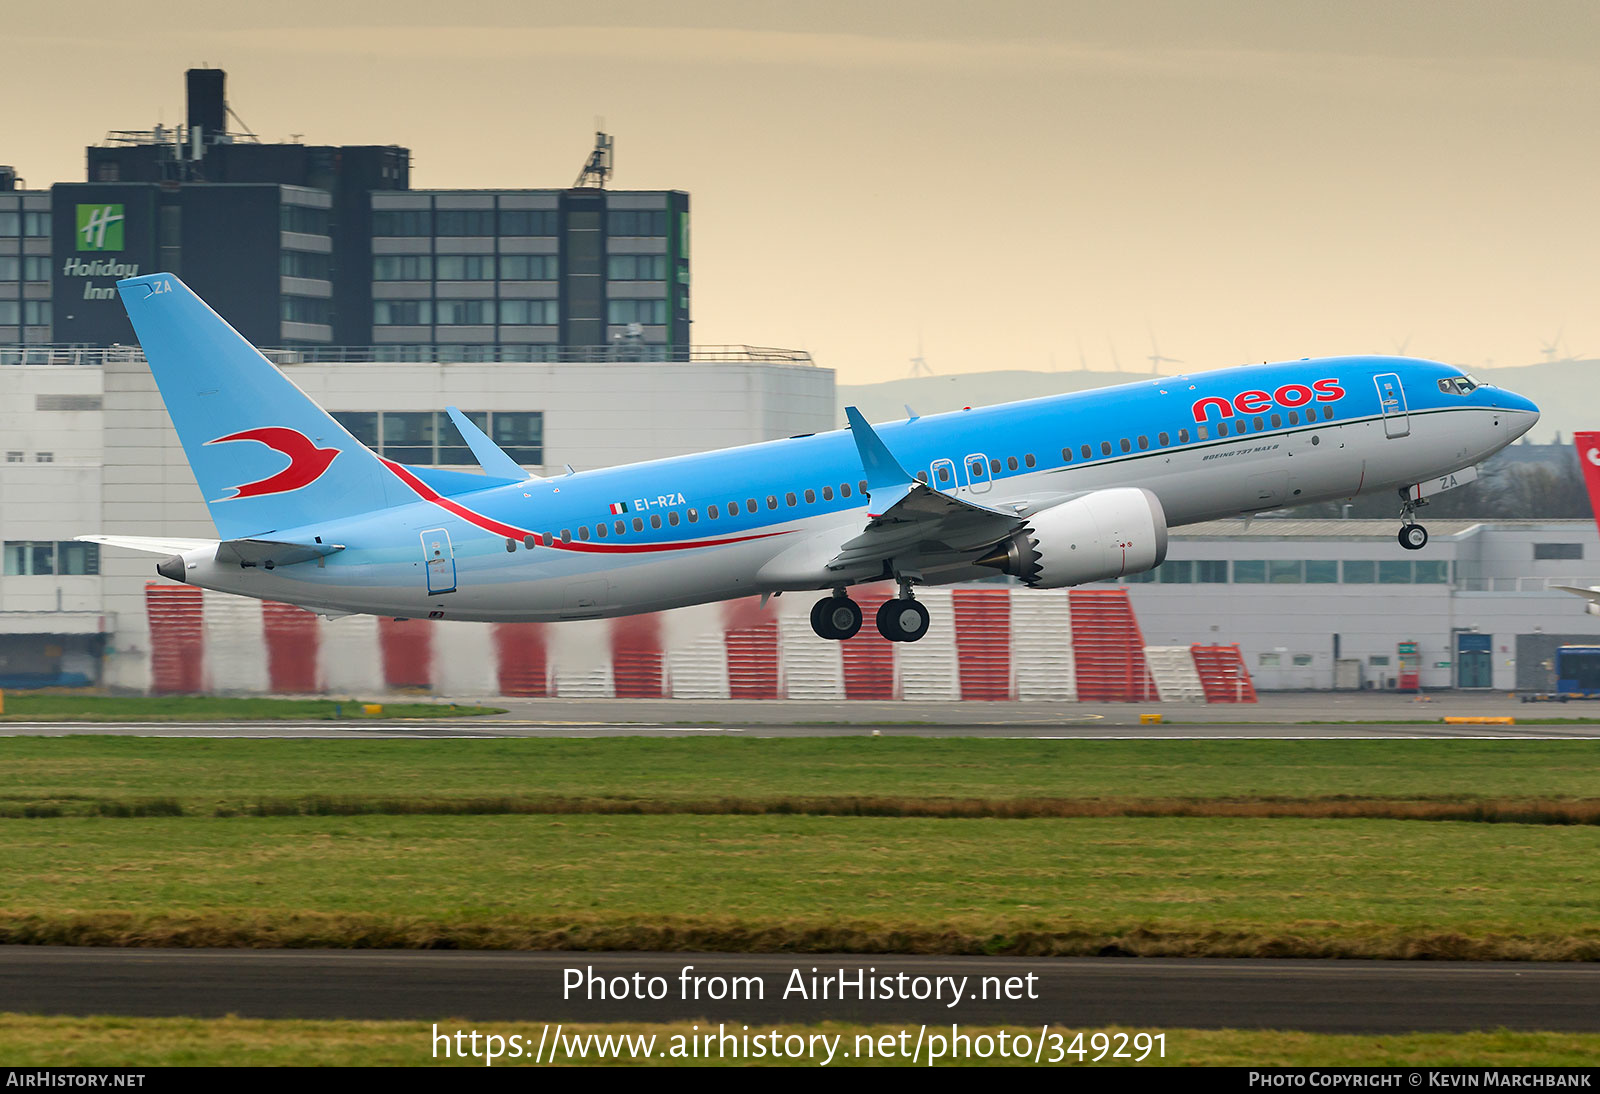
column 919, row 364
column 1155, row 357
column 1400, row 345
column 1552, row 347
column 1116, row 362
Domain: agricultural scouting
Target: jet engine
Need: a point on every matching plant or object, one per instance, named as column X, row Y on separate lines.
column 1104, row 534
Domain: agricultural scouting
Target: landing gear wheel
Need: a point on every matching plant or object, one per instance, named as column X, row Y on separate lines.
column 836, row 618
column 902, row 620
column 1413, row 537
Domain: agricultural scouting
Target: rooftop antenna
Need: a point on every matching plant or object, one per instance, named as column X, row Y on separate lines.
column 1155, row 357
column 919, row 363
column 598, row 166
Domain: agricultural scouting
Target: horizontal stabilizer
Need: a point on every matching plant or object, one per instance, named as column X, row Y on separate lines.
column 155, row 545
column 490, row 456
column 448, row 483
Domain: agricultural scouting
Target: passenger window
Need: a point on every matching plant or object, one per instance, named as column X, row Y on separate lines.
column 1011, row 463
column 672, row 518
column 583, row 533
column 772, row 501
column 811, row 497
column 1029, row 460
column 994, row 467
column 1086, row 451
column 863, row 485
column 600, row 530
column 1144, row 442
column 1260, row 425
column 1163, row 440
column 694, row 516
column 1327, row 413
column 655, row 520
column 827, row 493
column 1294, row 417
column 922, row 477
column 1201, row 433
column 529, row 541
column 711, row 511
column 1277, row 421
column 977, row 469
column 638, row 524
column 844, row 490
column 566, row 535
column 1105, row 448
column 750, row 505
column 789, row 499
column 1183, row 436
column 621, row 527
column 1126, row 447
column 944, row 473
column 1066, row 455
column 1222, row 429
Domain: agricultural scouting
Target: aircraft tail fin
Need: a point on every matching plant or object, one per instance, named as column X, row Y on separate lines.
column 1589, row 459
column 240, row 419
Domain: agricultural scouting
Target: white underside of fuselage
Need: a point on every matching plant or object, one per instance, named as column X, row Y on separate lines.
column 1202, row 481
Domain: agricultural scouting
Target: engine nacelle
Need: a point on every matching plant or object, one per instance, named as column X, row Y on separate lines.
column 1102, row 535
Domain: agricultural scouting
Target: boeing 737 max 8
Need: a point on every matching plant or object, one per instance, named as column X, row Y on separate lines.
column 1056, row 491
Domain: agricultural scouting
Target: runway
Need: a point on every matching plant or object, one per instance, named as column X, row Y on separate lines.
column 1359, row 716
column 1085, row 993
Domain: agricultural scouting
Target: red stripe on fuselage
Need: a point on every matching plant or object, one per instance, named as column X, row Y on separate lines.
column 489, row 524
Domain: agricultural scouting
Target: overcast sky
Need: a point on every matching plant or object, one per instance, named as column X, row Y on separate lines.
column 1008, row 181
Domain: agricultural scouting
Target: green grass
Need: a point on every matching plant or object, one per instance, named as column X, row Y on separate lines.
column 59, row 707
column 32, row 1041
column 1146, row 886
column 203, row 775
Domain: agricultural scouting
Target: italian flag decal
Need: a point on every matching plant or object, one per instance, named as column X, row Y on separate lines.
column 619, row 507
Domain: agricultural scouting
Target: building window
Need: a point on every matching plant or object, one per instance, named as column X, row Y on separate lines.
column 636, row 222
column 402, row 313
column 431, row 438
column 39, row 558
column 648, row 312
column 1359, row 573
column 1283, row 571
column 303, row 219
column 10, row 224
column 520, row 434
column 529, row 267
column 1176, row 573
column 533, row 313
column 77, row 558
column 402, row 268
column 464, row 222
column 14, row 457
column 44, row 457
column 1211, row 571
column 305, row 264
column 402, row 222
column 1394, row 573
column 637, row 267
column 465, row 267
column 1268, row 660
column 1432, row 572
column 307, row 309
column 1557, row 550
column 527, row 222
column 10, row 313
column 36, row 313
column 462, row 313
column 1301, row 660
column 36, row 224
column 1250, row 572
column 1322, row 571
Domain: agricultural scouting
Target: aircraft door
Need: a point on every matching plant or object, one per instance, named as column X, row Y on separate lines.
column 1392, row 400
column 439, row 558
column 944, row 475
column 976, row 467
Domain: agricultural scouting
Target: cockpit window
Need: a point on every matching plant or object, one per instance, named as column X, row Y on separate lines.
column 1458, row 385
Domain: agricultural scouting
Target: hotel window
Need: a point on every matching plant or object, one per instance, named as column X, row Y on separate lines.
column 528, row 267
column 647, row 312
column 529, row 313
column 465, row 267
column 636, row 222
column 402, row 267
column 464, row 222
column 402, row 222
column 402, row 313
column 637, row 267
column 527, row 222
column 462, row 313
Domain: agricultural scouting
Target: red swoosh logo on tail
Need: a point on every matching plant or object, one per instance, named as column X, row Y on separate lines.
column 307, row 462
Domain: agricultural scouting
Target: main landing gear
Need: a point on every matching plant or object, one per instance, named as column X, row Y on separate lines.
column 902, row 619
column 1413, row 536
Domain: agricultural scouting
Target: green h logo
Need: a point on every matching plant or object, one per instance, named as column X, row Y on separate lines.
column 100, row 227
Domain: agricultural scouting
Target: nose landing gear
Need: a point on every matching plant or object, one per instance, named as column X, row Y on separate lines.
column 1413, row 536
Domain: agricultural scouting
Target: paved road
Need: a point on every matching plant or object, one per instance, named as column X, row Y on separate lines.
column 1325, row 996
column 1084, row 730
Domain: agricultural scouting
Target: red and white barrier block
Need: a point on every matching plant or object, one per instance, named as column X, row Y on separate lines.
column 984, row 643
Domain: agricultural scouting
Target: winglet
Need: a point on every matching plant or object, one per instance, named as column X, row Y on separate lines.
column 882, row 469
column 489, row 455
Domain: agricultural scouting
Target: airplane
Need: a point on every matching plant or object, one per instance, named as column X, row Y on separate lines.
column 1589, row 460
column 1055, row 491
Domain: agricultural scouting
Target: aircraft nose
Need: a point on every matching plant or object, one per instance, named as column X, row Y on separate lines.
column 1523, row 416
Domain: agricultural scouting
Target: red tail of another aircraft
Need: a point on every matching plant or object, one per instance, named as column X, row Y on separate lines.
column 1589, row 459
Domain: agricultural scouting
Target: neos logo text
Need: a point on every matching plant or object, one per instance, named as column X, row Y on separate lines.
column 1254, row 402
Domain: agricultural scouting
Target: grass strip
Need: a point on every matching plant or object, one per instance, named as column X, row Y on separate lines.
column 1139, row 886
column 1586, row 811
column 205, row 775
column 58, row 707
column 37, row 1041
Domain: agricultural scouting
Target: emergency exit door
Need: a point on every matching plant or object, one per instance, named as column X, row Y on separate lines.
column 1392, row 400
column 439, row 559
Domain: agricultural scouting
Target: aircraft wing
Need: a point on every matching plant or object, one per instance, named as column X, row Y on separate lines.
column 250, row 552
column 908, row 518
column 1592, row 595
